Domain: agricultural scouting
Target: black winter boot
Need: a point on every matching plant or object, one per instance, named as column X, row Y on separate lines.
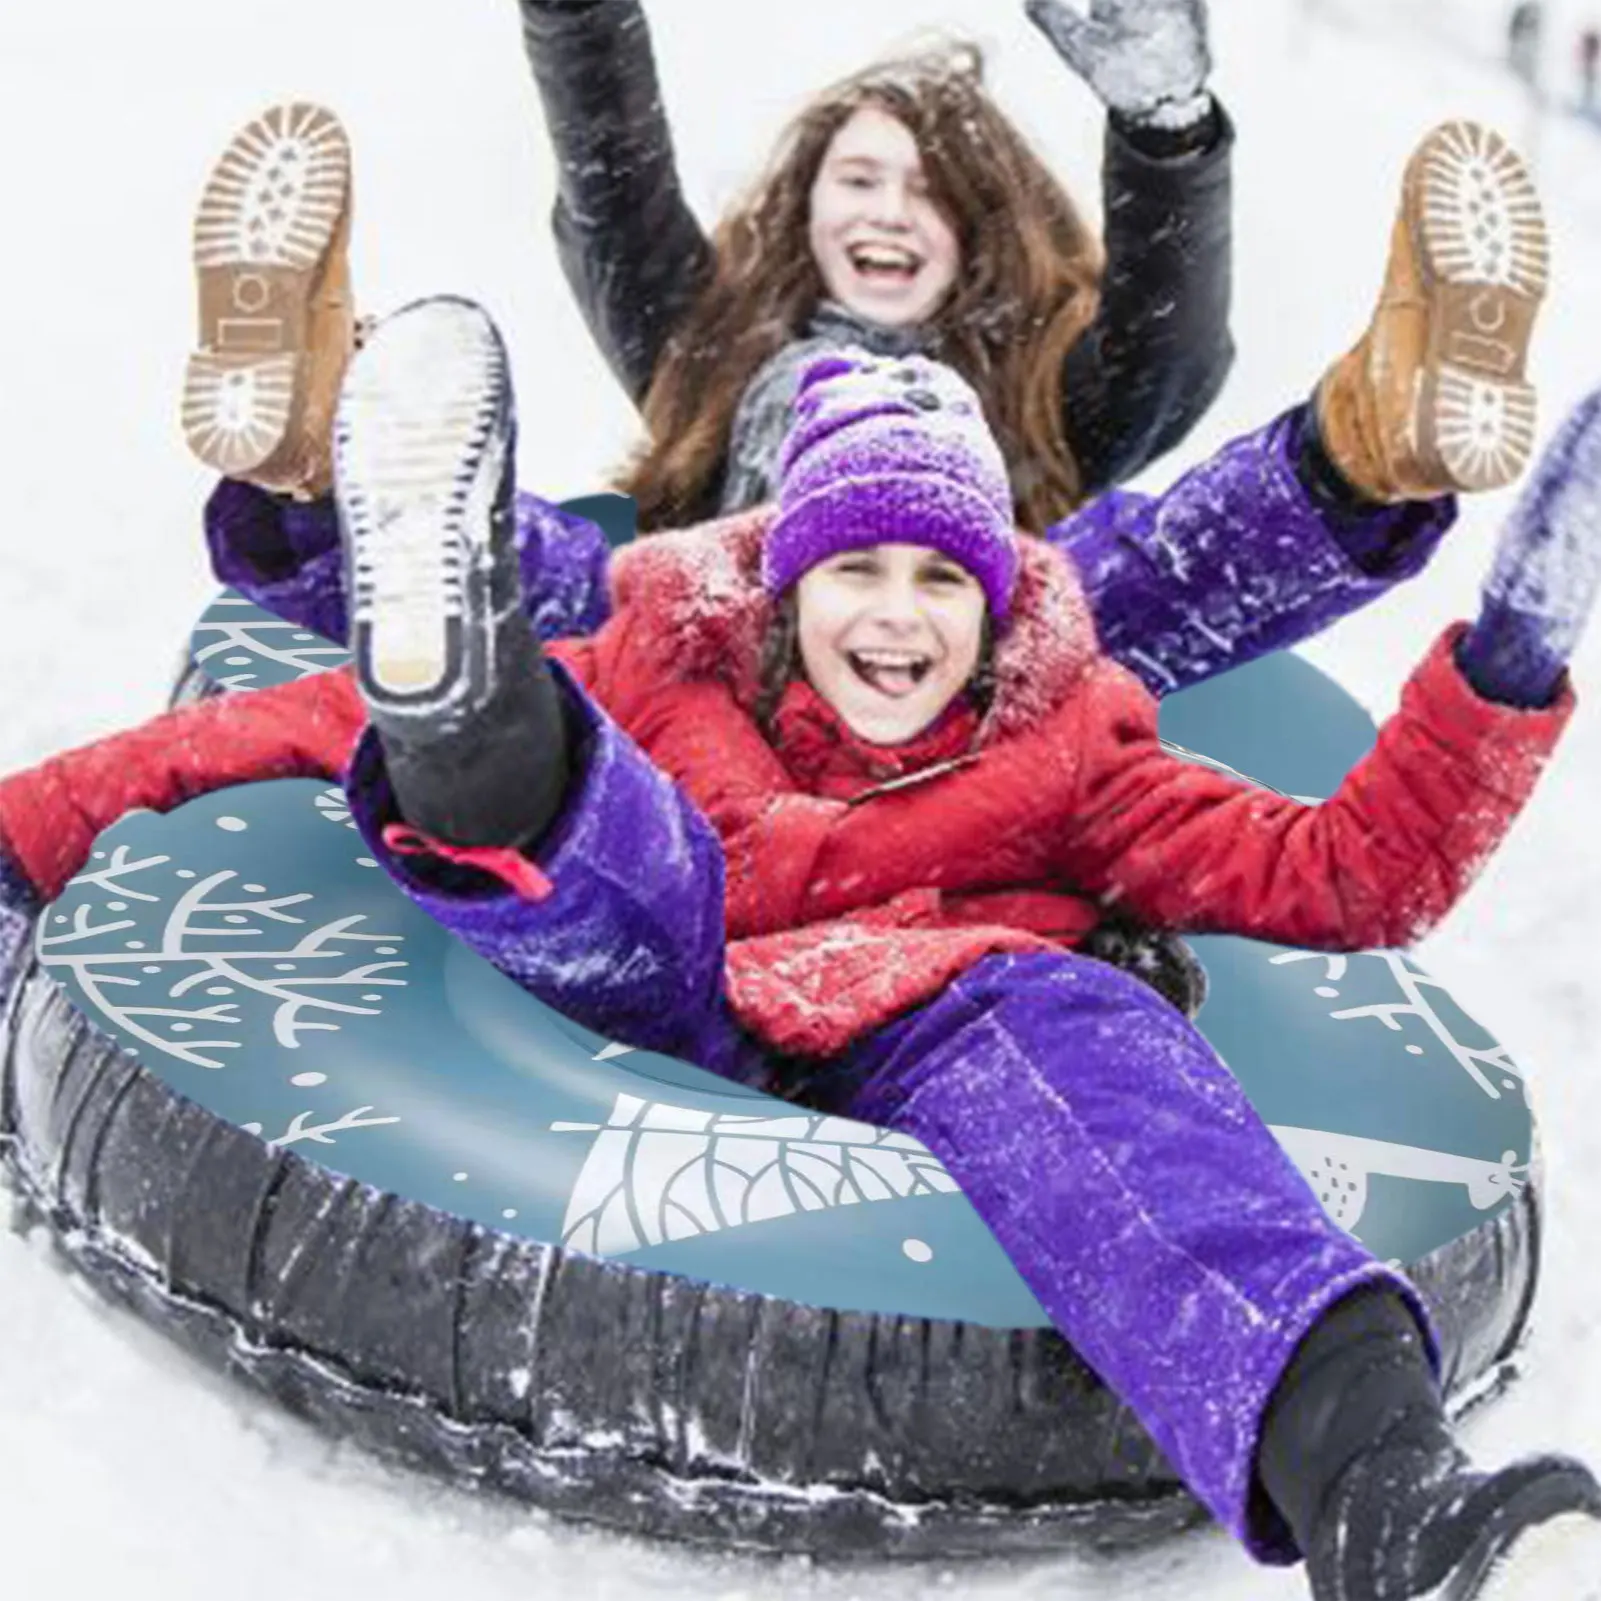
column 1359, row 1458
column 471, row 720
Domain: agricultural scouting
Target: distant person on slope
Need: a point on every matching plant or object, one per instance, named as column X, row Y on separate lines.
column 1589, row 54
column 1524, row 27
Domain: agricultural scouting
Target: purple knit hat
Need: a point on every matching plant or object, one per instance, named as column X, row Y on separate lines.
column 891, row 451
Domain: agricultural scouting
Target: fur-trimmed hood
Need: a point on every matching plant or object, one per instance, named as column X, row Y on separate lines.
column 701, row 587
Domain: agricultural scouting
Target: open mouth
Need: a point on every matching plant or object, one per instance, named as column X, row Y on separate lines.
column 885, row 263
column 890, row 672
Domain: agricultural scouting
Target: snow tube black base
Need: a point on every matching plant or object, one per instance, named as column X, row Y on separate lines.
column 717, row 1415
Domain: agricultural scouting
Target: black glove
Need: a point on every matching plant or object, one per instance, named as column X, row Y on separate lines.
column 1156, row 956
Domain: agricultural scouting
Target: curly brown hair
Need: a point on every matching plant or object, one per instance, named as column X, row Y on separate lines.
column 1028, row 285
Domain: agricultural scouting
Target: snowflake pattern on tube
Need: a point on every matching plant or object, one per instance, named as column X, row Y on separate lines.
column 239, row 645
column 659, row 1172
column 216, row 936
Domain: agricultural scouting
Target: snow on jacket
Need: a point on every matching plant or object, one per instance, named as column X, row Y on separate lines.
column 1133, row 385
column 859, row 879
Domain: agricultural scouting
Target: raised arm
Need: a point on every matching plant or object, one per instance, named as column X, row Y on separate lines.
column 1154, row 358
column 631, row 249
column 1402, row 837
column 1377, row 864
column 50, row 814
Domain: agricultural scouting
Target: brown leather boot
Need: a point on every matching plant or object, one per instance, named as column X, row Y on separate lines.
column 1433, row 399
column 277, row 323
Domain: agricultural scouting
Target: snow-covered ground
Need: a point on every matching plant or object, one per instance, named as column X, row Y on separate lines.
column 124, row 1471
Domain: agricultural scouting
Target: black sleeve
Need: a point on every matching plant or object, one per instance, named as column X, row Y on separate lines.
column 631, row 249
column 1146, row 369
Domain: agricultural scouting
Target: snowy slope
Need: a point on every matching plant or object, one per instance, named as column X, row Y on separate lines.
column 122, row 1469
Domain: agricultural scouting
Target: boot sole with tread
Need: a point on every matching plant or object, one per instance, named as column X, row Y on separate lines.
column 1484, row 257
column 268, row 218
column 421, row 439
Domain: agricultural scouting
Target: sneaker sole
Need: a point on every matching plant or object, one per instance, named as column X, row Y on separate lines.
column 420, row 440
column 1484, row 255
column 267, row 219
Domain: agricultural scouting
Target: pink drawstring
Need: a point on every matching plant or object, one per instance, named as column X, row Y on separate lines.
column 507, row 864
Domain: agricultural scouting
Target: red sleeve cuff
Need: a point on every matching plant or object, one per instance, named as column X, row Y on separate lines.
column 1450, row 702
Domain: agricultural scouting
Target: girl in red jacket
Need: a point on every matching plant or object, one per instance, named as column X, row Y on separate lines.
column 830, row 805
column 847, row 780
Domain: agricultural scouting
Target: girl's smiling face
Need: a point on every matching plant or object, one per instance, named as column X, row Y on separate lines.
column 885, row 250
column 889, row 635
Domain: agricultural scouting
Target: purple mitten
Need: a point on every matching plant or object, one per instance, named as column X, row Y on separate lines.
column 1547, row 569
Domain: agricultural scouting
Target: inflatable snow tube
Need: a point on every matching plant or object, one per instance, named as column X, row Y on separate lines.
column 237, row 644
column 260, row 1097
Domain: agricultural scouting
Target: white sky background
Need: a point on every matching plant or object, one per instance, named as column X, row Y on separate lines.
column 124, row 1471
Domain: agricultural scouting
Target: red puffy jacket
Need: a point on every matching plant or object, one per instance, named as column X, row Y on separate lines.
column 861, row 879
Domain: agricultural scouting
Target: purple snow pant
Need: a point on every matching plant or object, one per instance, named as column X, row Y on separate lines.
column 1108, row 1149
column 1234, row 561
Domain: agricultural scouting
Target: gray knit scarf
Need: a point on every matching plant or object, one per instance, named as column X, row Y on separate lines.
column 762, row 417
